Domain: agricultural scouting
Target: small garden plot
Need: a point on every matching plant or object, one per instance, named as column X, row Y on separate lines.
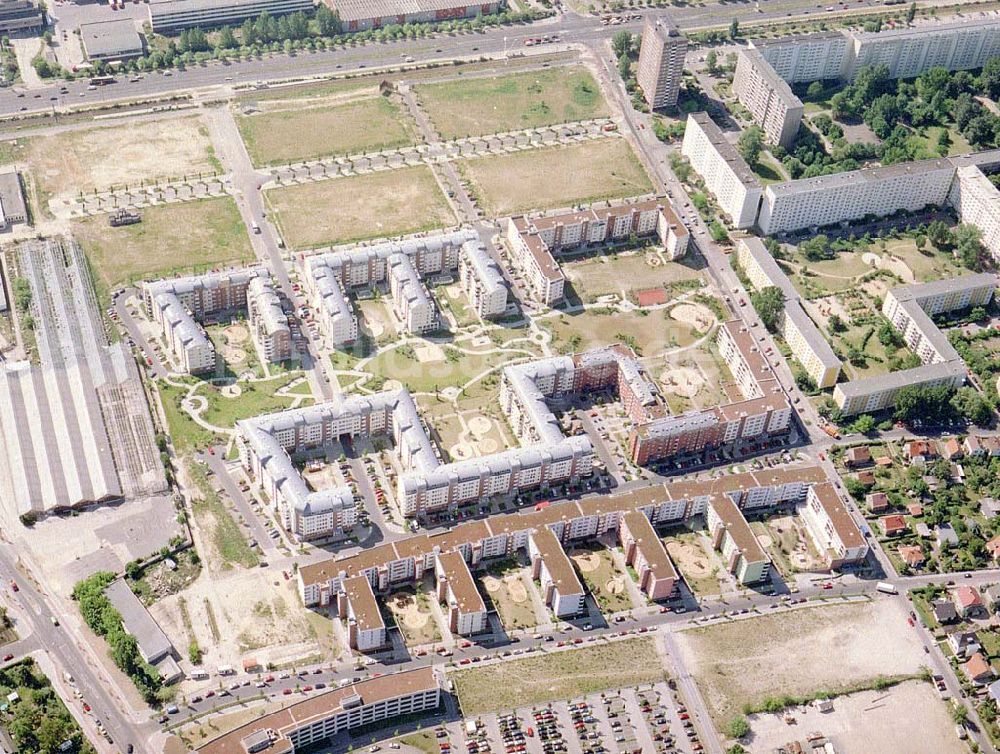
column 603, row 579
column 508, row 591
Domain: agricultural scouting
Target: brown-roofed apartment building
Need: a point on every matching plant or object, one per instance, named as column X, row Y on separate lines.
column 733, row 537
column 831, row 527
column 550, row 564
column 358, row 606
column 456, row 589
column 644, row 551
column 323, row 716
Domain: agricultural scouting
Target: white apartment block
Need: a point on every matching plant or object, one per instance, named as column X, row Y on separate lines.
column 909, row 308
column 661, row 62
column 179, row 305
column 268, row 323
column 977, row 202
column 830, row 199
column 534, row 241
column 807, row 343
column 806, row 57
column 403, row 265
column 725, row 173
column 768, row 98
column 832, row 528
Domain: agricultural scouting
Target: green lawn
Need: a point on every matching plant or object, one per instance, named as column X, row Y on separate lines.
column 447, row 367
column 365, row 125
column 171, row 239
column 227, row 539
column 473, row 107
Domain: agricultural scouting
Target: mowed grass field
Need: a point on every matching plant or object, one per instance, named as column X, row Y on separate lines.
column 474, row 107
column 171, row 238
column 562, row 176
column 557, row 675
column 376, row 205
column 367, row 125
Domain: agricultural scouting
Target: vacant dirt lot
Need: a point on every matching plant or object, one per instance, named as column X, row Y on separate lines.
column 870, row 721
column 556, row 177
column 474, row 107
column 799, row 652
column 171, row 238
column 98, row 158
column 558, row 675
column 377, row 205
column 366, row 125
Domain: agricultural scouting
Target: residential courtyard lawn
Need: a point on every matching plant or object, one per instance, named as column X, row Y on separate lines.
column 509, row 594
column 488, row 105
column 597, row 568
column 562, row 176
column 700, row 568
column 558, row 675
column 648, row 333
column 171, row 239
column 628, row 272
column 430, row 367
column 412, row 614
column 365, row 125
column 375, row 205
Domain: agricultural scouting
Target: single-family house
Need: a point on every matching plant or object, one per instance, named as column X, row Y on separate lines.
column 957, row 473
column 968, row 602
column 991, row 596
column 919, row 451
column 991, row 445
column 915, row 509
column 978, row 669
column 866, row 477
column 946, row 536
column 893, row 525
column 859, row 455
column 989, row 507
column 877, row 502
column 944, row 611
column 973, row 446
column 923, row 530
column 964, row 643
column 912, row 555
column 952, row 448
column 993, row 547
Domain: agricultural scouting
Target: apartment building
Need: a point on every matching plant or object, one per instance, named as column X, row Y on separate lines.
column 841, row 197
column 804, row 338
column 360, row 15
column 397, row 564
column 770, row 101
column 173, row 16
column 803, row 58
column 725, row 173
column 357, row 605
column 457, row 591
column 832, row 528
column 909, row 308
column 561, row 587
column 644, row 551
column 976, row 200
column 732, row 536
column 20, row 16
column 178, row 306
column 323, row 715
column 403, row 266
column 661, row 62
column 909, row 51
column 268, row 323
column 535, row 241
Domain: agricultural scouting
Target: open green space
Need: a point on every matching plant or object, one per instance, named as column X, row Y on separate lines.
column 478, row 106
column 430, row 367
column 364, row 125
column 35, row 716
column 557, row 675
column 561, row 176
column 507, row 591
column 648, row 333
column 375, row 205
column 224, row 534
column 171, row 239
column 701, row 571
column 628, row 272
column 603, row 579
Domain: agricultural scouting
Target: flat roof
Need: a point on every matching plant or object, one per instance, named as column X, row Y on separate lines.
column 650, row 545
column 726, row 150
column 796, row 39
column 858, row 177
column 321, row 706
column 103, row 39
column 361, row 597
column 153, row 643
column 357, row 10
column 925, row 29
column 738, row 529
column 11, row 195
column 898, row 380
column 557, row 562
column 461, row 583
column 777, row 84
column 812, row 335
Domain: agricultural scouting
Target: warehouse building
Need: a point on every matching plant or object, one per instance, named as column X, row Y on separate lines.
column 13, row 210
column 361, row 15
column 111, row 40
column 173, row 16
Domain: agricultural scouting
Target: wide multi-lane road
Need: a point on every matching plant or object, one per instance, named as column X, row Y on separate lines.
column 571, row 28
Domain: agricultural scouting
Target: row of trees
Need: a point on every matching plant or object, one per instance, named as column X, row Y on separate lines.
column 104, row 620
